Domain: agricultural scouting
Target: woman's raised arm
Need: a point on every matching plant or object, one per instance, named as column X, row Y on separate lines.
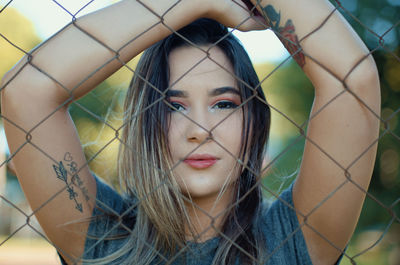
column 36, row 93
column 341, row 144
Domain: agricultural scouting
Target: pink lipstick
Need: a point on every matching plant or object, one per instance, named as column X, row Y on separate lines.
column 201, row 161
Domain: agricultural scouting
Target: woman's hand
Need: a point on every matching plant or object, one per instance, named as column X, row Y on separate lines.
column 236, row 14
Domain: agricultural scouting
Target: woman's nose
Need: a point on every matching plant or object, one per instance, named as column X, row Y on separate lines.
column 197, row 128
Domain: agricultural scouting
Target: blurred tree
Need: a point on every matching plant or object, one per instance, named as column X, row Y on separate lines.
column 371, row 18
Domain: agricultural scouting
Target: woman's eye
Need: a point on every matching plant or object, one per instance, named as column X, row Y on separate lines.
column 176, row 107
column 225, row 105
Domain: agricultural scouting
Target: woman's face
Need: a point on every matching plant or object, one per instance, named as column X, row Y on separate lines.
column 209, row 96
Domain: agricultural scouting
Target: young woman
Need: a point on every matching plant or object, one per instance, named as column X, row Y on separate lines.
column 196, row 124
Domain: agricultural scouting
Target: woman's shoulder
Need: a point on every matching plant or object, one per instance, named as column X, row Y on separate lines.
column 111, row 204
column 279, row 205
column 113, row 218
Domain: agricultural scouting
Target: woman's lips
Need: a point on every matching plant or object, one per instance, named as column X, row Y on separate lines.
column 200, row 161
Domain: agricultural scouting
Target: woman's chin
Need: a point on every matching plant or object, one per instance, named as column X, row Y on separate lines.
column 199, row 191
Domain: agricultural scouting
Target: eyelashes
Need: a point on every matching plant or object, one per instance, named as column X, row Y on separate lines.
column 219, row 105
column 175, row 106
column 225, row 104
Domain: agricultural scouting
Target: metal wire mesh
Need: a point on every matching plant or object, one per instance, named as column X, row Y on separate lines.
column 106, row 116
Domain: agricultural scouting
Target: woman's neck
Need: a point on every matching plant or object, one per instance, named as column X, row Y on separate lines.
column 207, row 215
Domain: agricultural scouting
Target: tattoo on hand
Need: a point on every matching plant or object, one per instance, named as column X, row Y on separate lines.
column 76, row 181
column 286, row 34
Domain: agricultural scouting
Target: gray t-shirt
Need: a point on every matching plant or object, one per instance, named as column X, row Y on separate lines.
column 284, row 238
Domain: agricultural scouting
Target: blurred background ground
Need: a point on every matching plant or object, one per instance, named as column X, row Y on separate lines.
column 27, row 250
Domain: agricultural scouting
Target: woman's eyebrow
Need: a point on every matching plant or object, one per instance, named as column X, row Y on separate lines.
column 214, row 92
column 176, row 93
column 222, row 90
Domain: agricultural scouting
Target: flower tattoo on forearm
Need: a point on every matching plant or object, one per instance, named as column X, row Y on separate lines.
column 286, row 34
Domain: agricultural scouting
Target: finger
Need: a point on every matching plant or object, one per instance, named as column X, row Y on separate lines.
column 247, row 19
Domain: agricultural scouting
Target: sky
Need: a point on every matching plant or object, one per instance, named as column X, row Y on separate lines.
column 48, row 18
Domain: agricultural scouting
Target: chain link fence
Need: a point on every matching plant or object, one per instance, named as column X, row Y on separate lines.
column 99, row 119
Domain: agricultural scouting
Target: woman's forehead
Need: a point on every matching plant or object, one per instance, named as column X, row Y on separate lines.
column 190, row 62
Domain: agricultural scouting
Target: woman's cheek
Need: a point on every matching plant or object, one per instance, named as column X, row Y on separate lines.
column 175, row 135
column 229, row 131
